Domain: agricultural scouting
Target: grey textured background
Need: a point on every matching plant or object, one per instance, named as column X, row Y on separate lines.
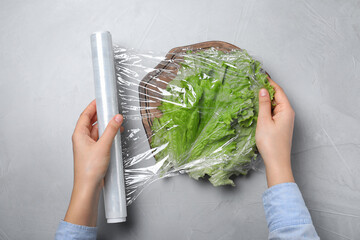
column 311, row 48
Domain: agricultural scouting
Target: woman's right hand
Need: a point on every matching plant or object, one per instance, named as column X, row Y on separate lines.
column 274, row 133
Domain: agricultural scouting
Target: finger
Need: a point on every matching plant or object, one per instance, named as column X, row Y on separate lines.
column 110, row 131
column 264, row 105
column 84, row 122
column 95, row 132
column 280, row 96
column 122, row 129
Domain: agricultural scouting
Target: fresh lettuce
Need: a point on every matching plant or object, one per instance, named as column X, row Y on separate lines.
column 209, row 113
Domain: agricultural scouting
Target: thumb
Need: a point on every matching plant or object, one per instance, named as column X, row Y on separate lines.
column 110, row 131
column 264, row 105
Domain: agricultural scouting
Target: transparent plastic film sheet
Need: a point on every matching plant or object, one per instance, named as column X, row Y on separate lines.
column 191, row 111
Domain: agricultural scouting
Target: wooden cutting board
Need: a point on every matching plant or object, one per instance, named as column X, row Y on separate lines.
column 151, row 86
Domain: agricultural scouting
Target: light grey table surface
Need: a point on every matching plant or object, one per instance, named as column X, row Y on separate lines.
column 311, row 48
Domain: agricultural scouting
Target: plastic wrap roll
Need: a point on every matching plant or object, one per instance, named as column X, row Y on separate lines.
column 107, row 108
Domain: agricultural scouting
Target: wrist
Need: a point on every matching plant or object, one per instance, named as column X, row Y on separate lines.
column 83, row 204
column 87, row 187
column 279, row 173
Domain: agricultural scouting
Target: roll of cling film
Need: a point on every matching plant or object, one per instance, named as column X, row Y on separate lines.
column 107, row 108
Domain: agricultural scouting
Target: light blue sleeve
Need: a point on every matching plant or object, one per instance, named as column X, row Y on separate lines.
column 286, row 213
column 71, row 231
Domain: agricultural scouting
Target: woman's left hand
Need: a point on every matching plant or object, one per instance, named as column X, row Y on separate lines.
column 92, row 155
column 91, row 161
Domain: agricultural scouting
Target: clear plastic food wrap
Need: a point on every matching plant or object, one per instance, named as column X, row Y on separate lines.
column 192, row 112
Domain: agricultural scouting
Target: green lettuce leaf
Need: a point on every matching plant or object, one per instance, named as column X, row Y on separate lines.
column 209, row 114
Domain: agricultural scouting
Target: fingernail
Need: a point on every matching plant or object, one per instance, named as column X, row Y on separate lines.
column 263, row 92
column 118, row 118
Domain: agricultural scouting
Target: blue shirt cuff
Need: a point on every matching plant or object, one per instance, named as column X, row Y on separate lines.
column 68, row 230
column 284, row 206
